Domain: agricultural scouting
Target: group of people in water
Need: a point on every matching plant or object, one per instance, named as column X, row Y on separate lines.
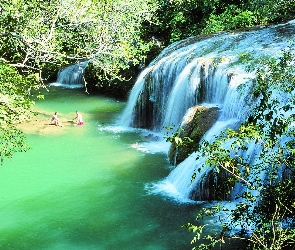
column 55, row 121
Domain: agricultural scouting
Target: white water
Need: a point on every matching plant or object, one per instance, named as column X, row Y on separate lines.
column 71, row 76
column 127, row 116
column 179, row 183
column 205, row 72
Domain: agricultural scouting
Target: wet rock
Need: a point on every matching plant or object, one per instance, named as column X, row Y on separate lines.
column 197, row 121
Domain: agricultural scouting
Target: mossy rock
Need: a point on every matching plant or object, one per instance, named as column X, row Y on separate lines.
column 197, row 121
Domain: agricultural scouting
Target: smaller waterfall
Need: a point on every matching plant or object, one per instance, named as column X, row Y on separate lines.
column 128, row 111
column 71, row 76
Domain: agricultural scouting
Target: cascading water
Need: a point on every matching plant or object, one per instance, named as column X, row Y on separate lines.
column 71, row 76
column 200, row 72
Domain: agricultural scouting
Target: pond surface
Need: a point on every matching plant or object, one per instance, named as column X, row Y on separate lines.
column 84, row 187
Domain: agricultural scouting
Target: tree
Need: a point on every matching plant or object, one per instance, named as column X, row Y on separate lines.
column 36, row 34
column 15, row 104
column 180, row 19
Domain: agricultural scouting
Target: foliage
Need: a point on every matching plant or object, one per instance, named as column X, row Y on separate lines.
column 232, row 18
column 36, row 34
column 179, row 19
column 273, row 11
column 264, row 213
column 15, row 103
column 181, row 146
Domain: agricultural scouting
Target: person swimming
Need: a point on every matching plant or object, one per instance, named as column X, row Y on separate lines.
column 79, row 118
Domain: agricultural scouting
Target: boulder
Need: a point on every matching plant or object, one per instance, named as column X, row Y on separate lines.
column 197, row 121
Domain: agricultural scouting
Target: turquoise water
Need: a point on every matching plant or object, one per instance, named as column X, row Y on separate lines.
column 83, row 187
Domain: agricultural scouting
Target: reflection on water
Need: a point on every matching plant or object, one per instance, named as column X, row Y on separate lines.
column 83, row 187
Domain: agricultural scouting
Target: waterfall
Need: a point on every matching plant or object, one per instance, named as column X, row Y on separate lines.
column 71, row 76
column 127, row 116
column 200, row 72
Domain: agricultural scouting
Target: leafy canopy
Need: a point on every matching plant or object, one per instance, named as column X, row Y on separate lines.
column 15, row 104
column 36, row 34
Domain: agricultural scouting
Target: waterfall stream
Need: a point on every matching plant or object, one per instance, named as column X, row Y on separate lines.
column 71, row 76
column 200, row 72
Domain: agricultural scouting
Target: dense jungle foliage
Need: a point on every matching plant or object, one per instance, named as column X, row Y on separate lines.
column 119, row 38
